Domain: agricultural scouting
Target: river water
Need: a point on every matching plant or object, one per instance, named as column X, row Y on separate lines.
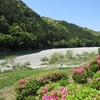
column 17, row 53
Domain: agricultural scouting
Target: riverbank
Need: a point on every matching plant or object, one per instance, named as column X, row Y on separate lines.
column 35, row 61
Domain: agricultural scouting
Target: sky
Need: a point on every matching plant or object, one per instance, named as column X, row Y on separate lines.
column 84, row 13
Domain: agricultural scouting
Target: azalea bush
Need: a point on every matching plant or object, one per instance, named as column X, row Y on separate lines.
column 29, row 86
column 79, row 75
column 54, row 91
column 93, row 66
column 49, row 91
column 58, row 95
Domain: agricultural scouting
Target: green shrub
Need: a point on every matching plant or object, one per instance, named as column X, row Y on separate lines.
column 84, row 93
column 3, row 63
column 69, row 54
column 45, row 63
column 27, row 63
column 95, row 83
column 96, row 75
column 17, row 65
column 29, row 68
column 93, row 67
column 63, row 83
column 56, row 57
column 44, row 59
column 11, row 60
column 73, row 88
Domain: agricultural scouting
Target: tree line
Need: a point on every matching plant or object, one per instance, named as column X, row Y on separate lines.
column 22, row 28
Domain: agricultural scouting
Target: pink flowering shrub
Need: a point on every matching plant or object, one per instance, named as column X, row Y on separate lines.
column 98, row 57
column 79, row 74
column 93, row 66
column 29, row 86
column 52, row 91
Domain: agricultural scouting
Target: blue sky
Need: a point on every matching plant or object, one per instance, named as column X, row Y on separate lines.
column 84, row 13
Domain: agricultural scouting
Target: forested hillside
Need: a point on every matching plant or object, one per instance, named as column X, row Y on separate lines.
column 22, row 28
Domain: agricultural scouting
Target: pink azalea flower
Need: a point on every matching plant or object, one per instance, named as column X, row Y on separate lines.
column 63, row 99
column 46, row 89
column 21, row 82
column 98, row 57
column 46, row 97
column 63, row 90
column 78, row 70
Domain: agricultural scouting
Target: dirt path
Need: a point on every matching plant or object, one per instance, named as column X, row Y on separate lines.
column 7, row 93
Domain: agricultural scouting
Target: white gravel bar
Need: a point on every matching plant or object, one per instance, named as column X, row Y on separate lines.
column 34, row 58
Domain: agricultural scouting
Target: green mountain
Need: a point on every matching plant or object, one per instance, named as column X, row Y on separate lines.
column 22, row 28
column 72, row 35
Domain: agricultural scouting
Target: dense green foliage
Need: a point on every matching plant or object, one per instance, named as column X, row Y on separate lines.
column 22, row 28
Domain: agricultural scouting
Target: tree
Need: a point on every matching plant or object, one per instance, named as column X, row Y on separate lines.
column 73, row 42
column 11, row 60
column 69, row 54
